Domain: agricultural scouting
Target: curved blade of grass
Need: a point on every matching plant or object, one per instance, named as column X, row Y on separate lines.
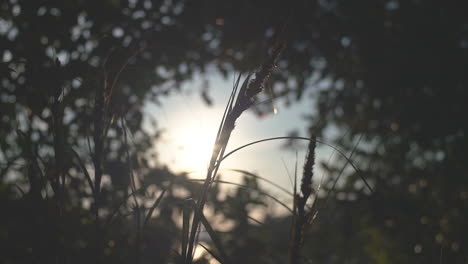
column 244, row 86
column 255, row 220
column 295, row 199
column 329, row 160
column 295, row 177
column 287, row 172
column 228, row 106
column 248, row 173
column 222, row 138
column 248, row 188
column 155, row 204
column 212, row 233
column 301, row 138
column 211, row 253
column 341, row 173
column 185, row 228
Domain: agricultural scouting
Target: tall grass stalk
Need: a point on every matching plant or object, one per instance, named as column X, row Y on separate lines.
column 302, row 216
column 235, row 107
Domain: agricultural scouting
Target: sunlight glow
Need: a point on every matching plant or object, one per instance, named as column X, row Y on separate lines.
column 194, row 148
column 199, row 252
column 188, row 131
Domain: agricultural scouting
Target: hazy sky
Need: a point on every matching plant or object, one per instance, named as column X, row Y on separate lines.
column 190, row 128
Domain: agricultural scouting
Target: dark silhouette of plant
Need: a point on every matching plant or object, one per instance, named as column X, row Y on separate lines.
column 389, row 71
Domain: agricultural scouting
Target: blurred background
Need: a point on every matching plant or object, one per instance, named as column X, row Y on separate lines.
column 109, row 111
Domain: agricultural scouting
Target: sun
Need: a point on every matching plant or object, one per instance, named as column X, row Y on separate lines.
column 194, row 148
column 188, row 137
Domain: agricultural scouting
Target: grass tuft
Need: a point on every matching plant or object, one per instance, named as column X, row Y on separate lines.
column 300, row 214
column 235, row 107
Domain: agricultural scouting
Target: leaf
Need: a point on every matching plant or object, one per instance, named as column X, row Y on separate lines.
column 302, row 138
column 211, row 253
column 213, row 235
column 253, row 175
column 249, row 188
column 185, row 229
column 155, row 204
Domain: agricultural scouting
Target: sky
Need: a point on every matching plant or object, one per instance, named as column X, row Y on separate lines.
column 190, row 127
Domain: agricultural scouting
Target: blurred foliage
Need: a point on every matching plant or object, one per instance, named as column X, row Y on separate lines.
column 393, row 71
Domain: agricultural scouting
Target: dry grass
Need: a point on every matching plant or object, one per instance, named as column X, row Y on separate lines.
column 240, row 100
column 301, row 214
